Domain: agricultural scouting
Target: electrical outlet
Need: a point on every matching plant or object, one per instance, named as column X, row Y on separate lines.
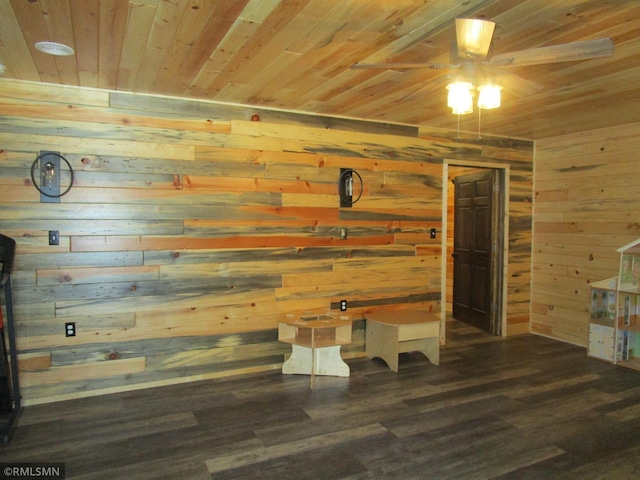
column 343, row 305
column 70, row 329
column 54, row 237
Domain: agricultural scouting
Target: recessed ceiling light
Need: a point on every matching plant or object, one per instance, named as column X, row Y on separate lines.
column 53, row 48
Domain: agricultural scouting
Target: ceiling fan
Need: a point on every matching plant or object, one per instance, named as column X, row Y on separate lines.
column 469, row 57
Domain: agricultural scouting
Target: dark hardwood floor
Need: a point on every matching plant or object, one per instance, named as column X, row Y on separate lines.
column 517, row 408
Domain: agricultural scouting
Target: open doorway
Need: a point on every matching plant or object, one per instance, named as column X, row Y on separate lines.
column 475, row 213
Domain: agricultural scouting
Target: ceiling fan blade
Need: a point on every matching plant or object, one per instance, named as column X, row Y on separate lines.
column 422, row 90
column 516, row 85
column 567, row 52
column 474, row 37
column 403, row 65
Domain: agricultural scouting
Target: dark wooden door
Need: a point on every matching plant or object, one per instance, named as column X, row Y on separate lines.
column 472, row 241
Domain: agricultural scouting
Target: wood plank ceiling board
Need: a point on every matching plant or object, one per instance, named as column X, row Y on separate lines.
column 216, row 22
column 217, row 70
column 33, row 32
column 157, row 42
column 16, row 55
column 57, row 16
column 266, row 30
column 311, row 53
column 140, row 20
column 113, row 17
column 296, row 55
column 85, row 18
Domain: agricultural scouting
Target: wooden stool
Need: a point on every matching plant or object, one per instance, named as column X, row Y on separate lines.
column 390, row 333
column 315, row 339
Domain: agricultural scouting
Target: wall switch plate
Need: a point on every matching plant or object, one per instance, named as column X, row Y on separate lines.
column 54, row 237
column 433, row 233
column 343, row 305
column 70, row 329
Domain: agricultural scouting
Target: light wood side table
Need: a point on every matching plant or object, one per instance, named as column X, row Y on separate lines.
column 390, row 333
column 315, row 339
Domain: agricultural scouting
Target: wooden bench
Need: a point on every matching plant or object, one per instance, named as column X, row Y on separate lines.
column 390, row 333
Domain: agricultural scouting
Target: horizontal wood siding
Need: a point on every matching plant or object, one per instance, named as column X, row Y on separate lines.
column 190, row 230
column 586, row 206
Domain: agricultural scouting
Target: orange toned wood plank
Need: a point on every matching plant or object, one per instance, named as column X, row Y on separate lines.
column 106, row 244
column 30, row 362
column 428, row 250
column 192, row 226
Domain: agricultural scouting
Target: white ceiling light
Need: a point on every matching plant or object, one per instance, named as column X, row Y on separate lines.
column 53, row 48
column 489, row 96
column 460, row 97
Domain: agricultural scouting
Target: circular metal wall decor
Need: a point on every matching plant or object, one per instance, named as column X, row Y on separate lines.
column 49, row 174
column 345, row 187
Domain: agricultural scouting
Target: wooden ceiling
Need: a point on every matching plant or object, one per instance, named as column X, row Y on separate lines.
column 297, row 54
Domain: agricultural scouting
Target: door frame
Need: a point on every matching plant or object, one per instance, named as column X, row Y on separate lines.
column 504, row 175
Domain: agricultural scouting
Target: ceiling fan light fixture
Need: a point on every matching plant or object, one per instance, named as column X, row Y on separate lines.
column 53, row 48
column 489, row 96
column 473, row 36
column 460, row 97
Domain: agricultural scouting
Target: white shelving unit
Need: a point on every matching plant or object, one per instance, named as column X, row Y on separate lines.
column 614, row 329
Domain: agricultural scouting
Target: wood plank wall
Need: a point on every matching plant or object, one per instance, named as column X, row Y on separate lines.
column 586, row 206
column 190, row 229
